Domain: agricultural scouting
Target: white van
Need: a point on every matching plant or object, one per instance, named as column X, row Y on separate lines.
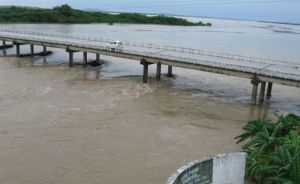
column 114, row 45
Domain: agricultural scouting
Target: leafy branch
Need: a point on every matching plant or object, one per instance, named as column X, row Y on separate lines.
column 273, row 149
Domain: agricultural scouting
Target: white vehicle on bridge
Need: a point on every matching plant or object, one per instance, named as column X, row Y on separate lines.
column 114, row 45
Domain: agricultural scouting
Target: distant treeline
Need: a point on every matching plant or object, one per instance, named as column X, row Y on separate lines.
column 65, row 14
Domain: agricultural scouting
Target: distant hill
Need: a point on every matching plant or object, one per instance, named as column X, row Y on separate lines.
column 65, row 14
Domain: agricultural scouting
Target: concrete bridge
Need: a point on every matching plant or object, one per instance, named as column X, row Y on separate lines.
column 261, row 72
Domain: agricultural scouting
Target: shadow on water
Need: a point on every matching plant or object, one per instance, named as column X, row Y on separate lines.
column 38, row 54
column 6, row 47
column 91, row 74
column 259, row 111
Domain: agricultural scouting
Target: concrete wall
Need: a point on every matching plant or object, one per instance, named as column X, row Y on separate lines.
column 226, row 169
column 229, row 168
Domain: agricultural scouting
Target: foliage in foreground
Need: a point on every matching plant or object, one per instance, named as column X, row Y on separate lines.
column 65, row 14
column 273, row 149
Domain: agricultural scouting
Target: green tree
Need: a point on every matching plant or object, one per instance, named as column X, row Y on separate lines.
column 273, row 149
column 65, row 14
column 64, row 9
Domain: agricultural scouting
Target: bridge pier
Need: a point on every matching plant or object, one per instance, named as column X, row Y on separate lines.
column 84, row 58
column 31, row 50
column 71, row 58
column 170, row 74
column 18, row 50
column 269, row 90
column 254, row 83
column 145, row 71
column 4, row 47
column 44, row 50
column 98, row 59
column 158, row 71
column 262, row 92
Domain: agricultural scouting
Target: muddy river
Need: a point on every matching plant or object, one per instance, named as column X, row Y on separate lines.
column 103, row 125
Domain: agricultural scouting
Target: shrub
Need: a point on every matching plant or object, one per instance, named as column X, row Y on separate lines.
column 66, row 14
column 273, row 149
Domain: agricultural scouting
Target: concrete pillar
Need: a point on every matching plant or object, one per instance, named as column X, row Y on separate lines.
column 145, row 74
column 262, row 92
column 70, row 58
column 31, row 50
column 4, row 45
column 44, row 50
column 18, row 50
column 98, row 59
column 269, row 90
column 84, row 58
column 169, row 71
column 158, row 71
column 254, row 83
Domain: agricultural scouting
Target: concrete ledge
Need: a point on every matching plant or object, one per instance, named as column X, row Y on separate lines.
column 219, row 169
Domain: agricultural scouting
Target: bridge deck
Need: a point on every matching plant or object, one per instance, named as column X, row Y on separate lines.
column 282, row 72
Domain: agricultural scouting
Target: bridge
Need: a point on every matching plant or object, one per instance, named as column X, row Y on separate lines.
column 261, row 72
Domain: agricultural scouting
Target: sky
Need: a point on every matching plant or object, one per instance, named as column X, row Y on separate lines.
column 264, row 10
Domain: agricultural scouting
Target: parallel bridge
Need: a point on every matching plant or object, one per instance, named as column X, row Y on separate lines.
column 262, row 72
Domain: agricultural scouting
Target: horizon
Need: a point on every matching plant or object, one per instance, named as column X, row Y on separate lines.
column 252, row 10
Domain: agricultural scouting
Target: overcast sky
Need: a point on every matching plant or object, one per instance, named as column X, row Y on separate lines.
column 269, row 10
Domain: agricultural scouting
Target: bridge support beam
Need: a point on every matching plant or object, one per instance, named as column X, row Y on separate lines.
column 170, row 74
column 254, row 83
column 84, row 58
column 4, row 47
column 31, row 50
column 269, row 90
column 18, row 50
column 98, row 59
column 262, row 92
column 71, row 58
column 44, row 50
column 145, row 71
column 158, row 71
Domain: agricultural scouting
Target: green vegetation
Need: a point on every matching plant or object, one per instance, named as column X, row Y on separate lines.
column 65, row 14
column 273, row 150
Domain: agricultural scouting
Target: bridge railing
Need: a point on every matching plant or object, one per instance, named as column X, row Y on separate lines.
column 164, row 48
column 155, row 55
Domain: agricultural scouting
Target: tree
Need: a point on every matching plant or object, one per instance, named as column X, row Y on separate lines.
column 64, row 9
column 273, row 150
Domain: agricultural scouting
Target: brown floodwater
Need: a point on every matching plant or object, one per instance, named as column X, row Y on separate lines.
column 103, row 125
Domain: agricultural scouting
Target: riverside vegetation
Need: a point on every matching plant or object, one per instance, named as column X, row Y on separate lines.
column 66, row 14
column 273, row 149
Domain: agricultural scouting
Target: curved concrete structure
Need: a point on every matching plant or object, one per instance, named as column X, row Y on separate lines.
column 219, row 169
